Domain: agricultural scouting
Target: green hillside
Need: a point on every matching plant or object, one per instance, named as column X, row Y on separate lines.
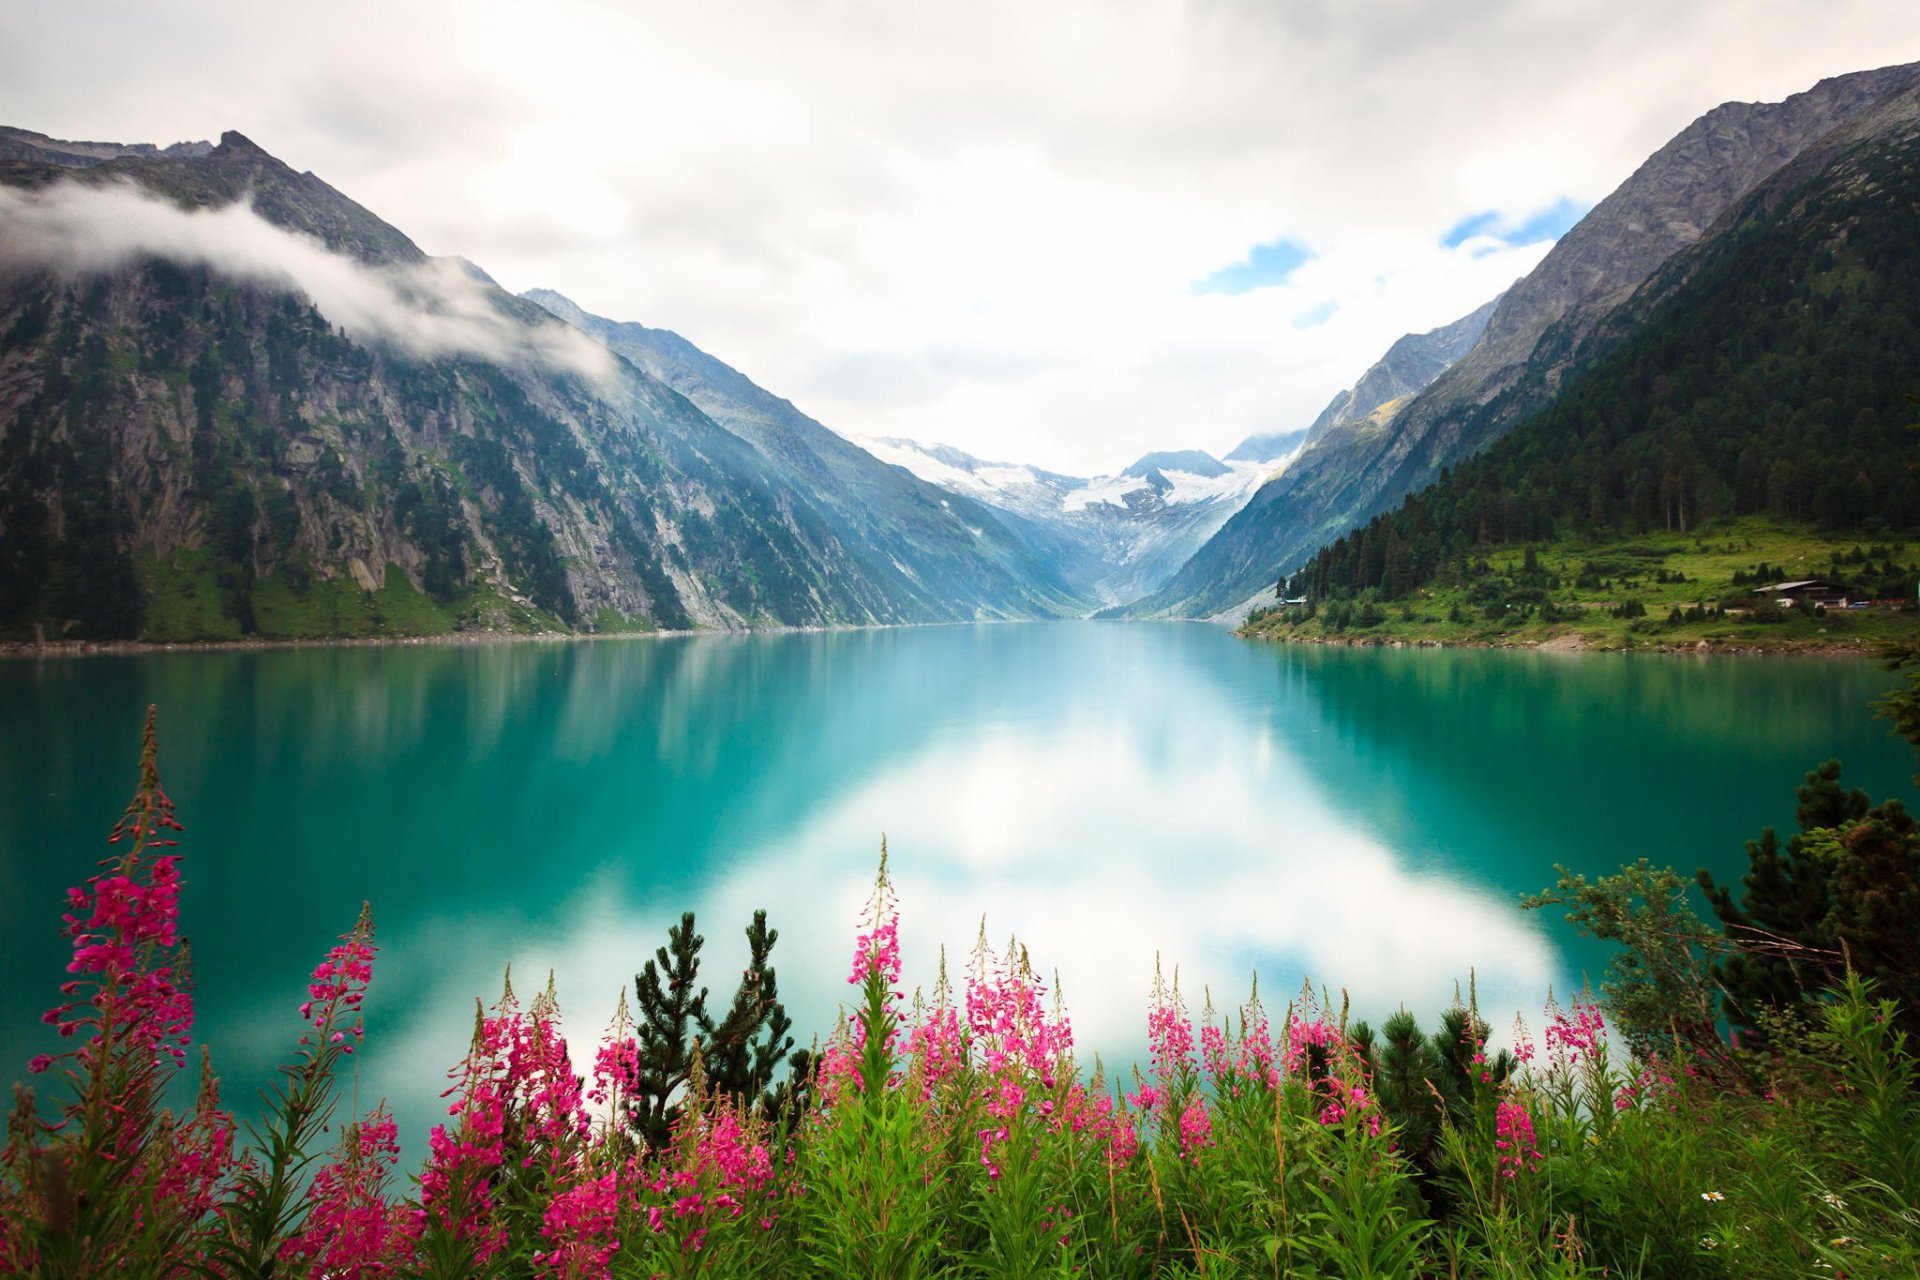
column 1759, row 389
column 1658, row 590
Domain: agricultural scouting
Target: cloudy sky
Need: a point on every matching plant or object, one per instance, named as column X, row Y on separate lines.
column 1062, row 232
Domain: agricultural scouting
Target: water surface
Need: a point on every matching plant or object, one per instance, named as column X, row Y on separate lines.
column 1363, row 819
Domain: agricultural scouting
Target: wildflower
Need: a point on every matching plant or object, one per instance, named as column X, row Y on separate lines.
column 351, row 1230
column 579, row 1224
column 1514, row 1139
column 1196, row 1130
column 127, row 953
column 1708, row 1242
column 1711, row 1196
column 1169, row 1034
column 878, row 950
column 1833, row 1200
column 1522, row 1042
column 1571, row 1038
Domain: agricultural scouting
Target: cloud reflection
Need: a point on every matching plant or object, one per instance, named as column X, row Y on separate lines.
column 1098, row 843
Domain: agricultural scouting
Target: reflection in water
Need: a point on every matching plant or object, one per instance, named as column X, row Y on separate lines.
column 1106, row 792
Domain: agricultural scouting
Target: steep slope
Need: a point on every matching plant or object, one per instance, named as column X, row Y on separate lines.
column 1229, row 568
column 234, row 402
column 941, row 547
column 1269, row 446
column 1768, row 371
column 1411, row 365
column 1669, row 203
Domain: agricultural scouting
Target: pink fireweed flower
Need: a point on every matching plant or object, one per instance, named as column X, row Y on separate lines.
column 351, row 1231
column 1254, row 1053
column 617, row 1064
column 456, row 1198
column 1350, row 1102
column 989, row 1138
column 1304, row 1035
column 877, row 951
column 840, row 1065
column 1169, row 1033
column 126, row 945
column 1009, row 1024
column 937, row 1045
column 579, row 1228
column 1522, row 1041
column 1579, row 1036
column 1085, row 1111
column 1514, row 1139
column 1213, row 1048
column 1196, row 1129
column 548, row 1093
column 339, row 983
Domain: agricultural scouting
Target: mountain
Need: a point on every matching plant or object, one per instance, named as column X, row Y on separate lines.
column 1227, row 567
column 1768, row 371
column 1272, row 445
column 948, row 546
column 1109, row 538
column 1410, row 366
column 1358, row 467
column 234, row 402
column 1116, row 536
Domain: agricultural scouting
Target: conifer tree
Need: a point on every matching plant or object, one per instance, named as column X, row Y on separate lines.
column 1842, row 895
column 1404, row 1081
column 739, row 1055
column 670, row 1010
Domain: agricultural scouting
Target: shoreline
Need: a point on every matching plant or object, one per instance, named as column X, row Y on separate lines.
column 1569, row 643
column 1578, row 644
column 17, row 650
column 20, row 649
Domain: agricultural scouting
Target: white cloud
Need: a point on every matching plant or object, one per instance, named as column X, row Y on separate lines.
column 809, row 190
column 425, row 309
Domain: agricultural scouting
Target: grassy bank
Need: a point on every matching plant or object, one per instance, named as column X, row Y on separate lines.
column 1660, row 590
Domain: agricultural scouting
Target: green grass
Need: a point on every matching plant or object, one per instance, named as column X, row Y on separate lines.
column 185, row 604
column 182, row 599
column 1705, row 559
column 293, row 605
column 613, row 622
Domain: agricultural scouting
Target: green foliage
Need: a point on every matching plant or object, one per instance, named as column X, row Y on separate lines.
column 1657, row 987
column 1741, row 381
column 1840, row 898
column 743, row 1051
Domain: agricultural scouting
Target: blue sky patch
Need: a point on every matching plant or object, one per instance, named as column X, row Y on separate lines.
column 1265, row 264
column 1319, row 313
column 1549, row 223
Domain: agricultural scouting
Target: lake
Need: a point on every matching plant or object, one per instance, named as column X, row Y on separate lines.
column 1360, row 818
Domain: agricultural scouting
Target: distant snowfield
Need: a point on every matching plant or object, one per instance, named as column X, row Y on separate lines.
column 1136, row 527
column 1111, row 490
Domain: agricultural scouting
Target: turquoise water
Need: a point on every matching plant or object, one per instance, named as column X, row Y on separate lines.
column 1107, row 792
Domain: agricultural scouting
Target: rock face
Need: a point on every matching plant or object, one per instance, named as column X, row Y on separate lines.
column 1410, row 366
column 191, row 448
column 936, row 547
column 1269, row 446
column 1357, row 466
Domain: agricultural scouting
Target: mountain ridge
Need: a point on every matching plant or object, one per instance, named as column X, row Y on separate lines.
column 191, row 449
column 1672, row 200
